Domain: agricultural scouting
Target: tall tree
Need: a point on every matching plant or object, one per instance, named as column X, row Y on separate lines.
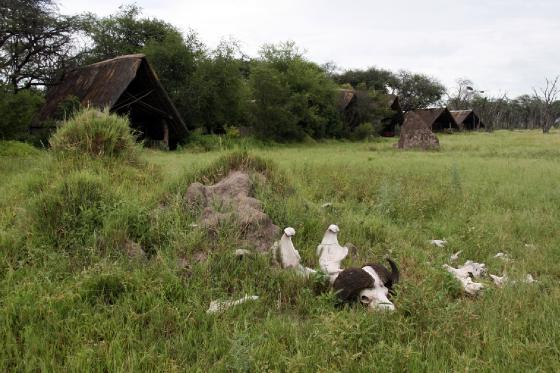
column 547, row 96
column 293, row 96
column 223, row 95
column 124, row 32
column 35, row 41
column 417, row 91
column 373, row 78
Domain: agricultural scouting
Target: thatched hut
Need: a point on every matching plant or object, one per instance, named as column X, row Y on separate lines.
column 355, row 106
column 126, row 85
column 467, row 119
column 439, row 119
column 416, row 133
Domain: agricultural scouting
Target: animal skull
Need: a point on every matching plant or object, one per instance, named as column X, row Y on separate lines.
column 370, row 285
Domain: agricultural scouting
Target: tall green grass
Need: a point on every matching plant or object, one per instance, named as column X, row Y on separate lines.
column 77, row 301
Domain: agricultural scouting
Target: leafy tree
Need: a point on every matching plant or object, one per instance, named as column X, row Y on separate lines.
column 35, row 42
column 293, row 96
column 175, row 59
column 124, row 32
column 222, row 91
column 375, row 79
column 417, row 91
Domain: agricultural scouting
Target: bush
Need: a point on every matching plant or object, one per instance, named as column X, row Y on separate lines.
column 16, row 113
column 17, row 149
column 364, row 131
column 95, row 133
column 72, row 210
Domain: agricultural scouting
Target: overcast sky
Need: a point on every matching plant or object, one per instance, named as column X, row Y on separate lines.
column 502, row 45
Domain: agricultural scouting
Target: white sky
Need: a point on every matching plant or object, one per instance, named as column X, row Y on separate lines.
column 502, row 45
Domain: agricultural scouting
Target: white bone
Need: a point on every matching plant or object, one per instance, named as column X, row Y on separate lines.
column 240, row 253
column 505, row 257
column 463, row 275
column 376, row 296
column 289, row 256
column 499, row 281
column 438, row 243
column 455, row 256
column 529, row 279
column 219, row 305
column 331, row 254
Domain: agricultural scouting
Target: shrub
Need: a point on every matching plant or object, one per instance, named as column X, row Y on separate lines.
column 364, row 131
column 17, row 149
column 16, row 112
column 71, row 211
column 95, row 133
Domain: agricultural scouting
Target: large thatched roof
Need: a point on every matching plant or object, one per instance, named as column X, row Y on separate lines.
column 438, row 119
column 126, row 84
column 467, row 119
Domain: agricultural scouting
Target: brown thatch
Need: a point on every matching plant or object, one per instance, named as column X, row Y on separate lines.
column 467, row 119
column 416, row 133
column 439, row 119
column 126, row 85
column 354, row 106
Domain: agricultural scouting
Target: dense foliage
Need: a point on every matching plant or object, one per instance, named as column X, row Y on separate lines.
column 293, row 97
column 17, row 111
column 278, row 95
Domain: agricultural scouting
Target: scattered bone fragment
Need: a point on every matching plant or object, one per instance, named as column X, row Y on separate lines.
column 455, row 257
column 285, row 252
column 326, row 205
column 438, row 243
column 465, row 275
column 529, row 279
column 331, row 254
column 503, row 256
column 241, row 253
column 220, row 306
column 499, row 281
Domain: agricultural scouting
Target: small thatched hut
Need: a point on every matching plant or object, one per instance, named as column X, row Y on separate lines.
column 356, row 106
column 126, row 85
column 467, row 119
column 416, row 133
column 439, row 119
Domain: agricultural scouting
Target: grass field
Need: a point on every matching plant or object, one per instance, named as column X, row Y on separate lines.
column 71, row 299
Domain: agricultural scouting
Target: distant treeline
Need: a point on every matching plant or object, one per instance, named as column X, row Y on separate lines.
column 278, row 95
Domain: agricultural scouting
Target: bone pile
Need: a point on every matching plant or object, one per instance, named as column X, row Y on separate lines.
column 465, row 275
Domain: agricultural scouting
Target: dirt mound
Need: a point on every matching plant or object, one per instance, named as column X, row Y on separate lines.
column 230, row 200
column 416, row 134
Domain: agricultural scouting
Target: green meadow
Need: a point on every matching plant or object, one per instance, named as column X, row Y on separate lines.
column 72, row 299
